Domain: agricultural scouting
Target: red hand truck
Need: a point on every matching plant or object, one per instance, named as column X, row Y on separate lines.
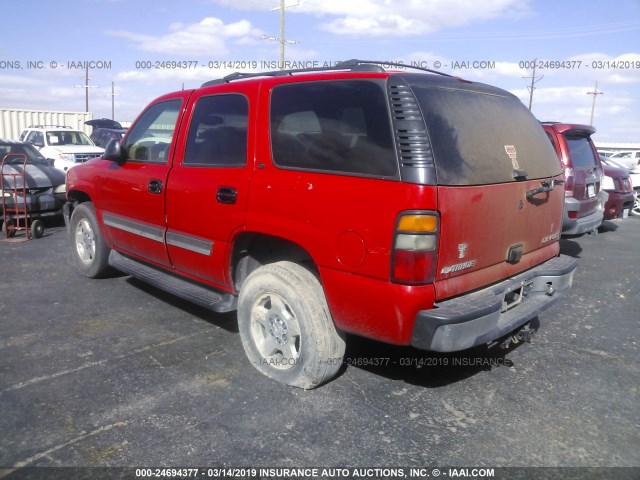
column 15, row 203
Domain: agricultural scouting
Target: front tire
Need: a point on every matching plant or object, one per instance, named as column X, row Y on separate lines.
column 286, row 328
column 88, row 249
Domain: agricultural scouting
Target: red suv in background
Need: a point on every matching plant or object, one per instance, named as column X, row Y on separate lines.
column 415, row 209
column 584, row 198
column 617, row 183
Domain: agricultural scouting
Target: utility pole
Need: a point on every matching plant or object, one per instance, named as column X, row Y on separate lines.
column 534, row 80
column 86, row 87
column 282, row 34
column 113, row 101
column 281, row 39
column 595, row 93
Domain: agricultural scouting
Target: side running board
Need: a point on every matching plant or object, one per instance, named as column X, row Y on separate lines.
column 205, row 297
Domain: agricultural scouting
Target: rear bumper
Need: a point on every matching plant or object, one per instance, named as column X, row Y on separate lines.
column 578, row 226
column 484, row 316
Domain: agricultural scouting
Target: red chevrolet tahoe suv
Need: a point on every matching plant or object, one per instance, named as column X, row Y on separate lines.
column 412, row 208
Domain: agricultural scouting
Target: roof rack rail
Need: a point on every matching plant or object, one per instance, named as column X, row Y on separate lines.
column 49, row 126
column 353, row 65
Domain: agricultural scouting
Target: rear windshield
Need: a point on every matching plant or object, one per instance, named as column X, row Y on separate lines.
column 480, row 138
column 582, row 154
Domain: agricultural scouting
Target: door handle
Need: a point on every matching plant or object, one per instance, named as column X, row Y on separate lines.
column 155, row 186
column 226, row 195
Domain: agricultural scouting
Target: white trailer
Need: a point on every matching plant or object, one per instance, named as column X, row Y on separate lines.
column 14, row 120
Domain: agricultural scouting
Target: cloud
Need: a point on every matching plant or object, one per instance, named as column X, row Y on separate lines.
column 207, row 37
column 398, row 18
column 572, row 104
column 171, row 78
column 21, row 80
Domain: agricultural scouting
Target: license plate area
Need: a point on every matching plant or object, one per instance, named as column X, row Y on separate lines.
column 513, row 297
column 591, row 190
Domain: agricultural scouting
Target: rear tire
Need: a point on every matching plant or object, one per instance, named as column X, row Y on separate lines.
column 286, row 328
column 88, row 249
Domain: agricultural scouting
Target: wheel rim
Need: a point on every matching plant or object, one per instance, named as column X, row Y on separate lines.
column 275, row 332
column 636, row 205
column 85, row 242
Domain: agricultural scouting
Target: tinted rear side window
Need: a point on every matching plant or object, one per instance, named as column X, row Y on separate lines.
column 337, row 126
column 580, row 150
column 480, row 138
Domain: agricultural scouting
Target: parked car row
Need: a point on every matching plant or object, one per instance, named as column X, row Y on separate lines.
column 34, row 167
column 64, row 147
column 629, row 159
column 597, row 188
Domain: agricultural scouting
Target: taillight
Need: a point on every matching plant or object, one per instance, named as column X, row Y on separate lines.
column 600, row 176
column 619, row 186
column 608, row 183
column 415, row 244
column 569, row 182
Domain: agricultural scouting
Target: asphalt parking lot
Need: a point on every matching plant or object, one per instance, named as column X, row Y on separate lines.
column 112, row 373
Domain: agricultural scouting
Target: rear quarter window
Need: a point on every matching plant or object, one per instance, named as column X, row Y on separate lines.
column 482, row 138
column 340, row 126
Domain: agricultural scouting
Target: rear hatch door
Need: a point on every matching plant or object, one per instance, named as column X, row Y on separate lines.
column 585, row 164
column 500, row 196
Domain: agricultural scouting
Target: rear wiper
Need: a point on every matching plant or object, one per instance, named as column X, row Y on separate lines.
column 547, row 186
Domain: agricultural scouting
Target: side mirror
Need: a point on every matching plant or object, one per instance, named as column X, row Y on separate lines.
column 113, row 152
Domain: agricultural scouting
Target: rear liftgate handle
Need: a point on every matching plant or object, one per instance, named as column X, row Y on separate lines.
column 547, row 186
